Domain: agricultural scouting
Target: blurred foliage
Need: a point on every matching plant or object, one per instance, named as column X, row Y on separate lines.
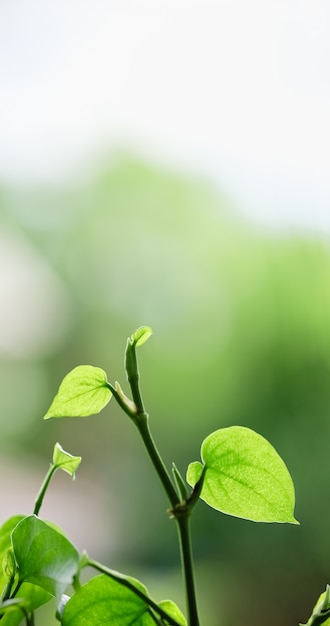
column 241, row 336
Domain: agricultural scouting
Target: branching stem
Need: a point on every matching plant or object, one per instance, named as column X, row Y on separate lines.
column 180, row 509
column 182, row 519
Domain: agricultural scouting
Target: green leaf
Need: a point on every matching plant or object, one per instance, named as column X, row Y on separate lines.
column 65, row 461
column 84, row 391
column 173, row 610
column 244, row 477
column 13, row 618
column 141, row 335
column 321, row 611
column 30, row 597
column 5, row 533
column 44, row 556
column 12, row 614
column 33, row 596
column 105, row 601
column 6, row 547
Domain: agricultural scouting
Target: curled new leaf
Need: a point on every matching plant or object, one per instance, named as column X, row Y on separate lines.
column 141, row 335
column 84, row 391
column 65, row 461
column 6, row 548
column 244, row 476
column 138, row 338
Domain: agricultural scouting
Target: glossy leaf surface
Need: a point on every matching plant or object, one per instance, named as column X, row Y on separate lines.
column 244, row 477
column 44, row 556
column 105, row 601
column 83, row 392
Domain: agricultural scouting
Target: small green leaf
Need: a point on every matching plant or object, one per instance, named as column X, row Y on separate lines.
column 138, row 338
column 84, row 391
column 173, row 610
column 6, row 547
column 5, row 532
column 141, row 335
column 8, row 564
column 44, row 556
column 65, row 461
column 244, row 477
column 321, row 611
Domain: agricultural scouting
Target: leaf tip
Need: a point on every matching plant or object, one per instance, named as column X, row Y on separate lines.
column 141, row 335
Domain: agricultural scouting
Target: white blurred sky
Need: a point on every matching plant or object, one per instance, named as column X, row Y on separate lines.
column 236, row 89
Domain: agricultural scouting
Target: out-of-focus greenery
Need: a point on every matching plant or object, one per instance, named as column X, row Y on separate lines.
column 241, row 336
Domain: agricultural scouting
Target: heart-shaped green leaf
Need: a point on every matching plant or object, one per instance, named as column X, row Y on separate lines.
column 44, row 556
column 104, row 600
column 244, row 476
column 84, row 391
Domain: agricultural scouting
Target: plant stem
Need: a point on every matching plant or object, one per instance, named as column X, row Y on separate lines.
column 43, row 489
column 136, row 393
column 182, row 518
column 188, row 568
column 142, row 424
column 30, row 620
column 180, row 508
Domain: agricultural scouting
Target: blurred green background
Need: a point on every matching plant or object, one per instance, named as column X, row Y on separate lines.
column 241, row 336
